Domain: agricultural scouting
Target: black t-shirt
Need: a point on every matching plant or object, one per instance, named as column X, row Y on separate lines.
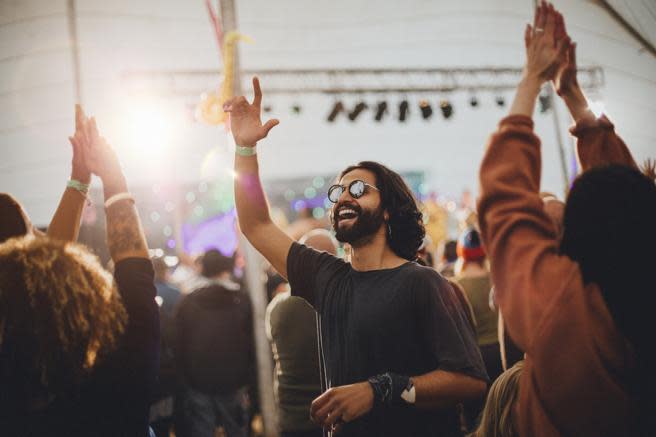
column 114, row 400
column 215, row 347
column 405, row 320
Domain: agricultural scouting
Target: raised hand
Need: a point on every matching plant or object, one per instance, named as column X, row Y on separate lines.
column 245, row 122
column 79, row 170
column 543, row 50
column 565, row 81
column 99, row 156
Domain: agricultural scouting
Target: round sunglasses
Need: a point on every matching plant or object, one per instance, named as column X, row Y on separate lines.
column 356, row 189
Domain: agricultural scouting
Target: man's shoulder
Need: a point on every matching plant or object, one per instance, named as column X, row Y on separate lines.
column 423, row 273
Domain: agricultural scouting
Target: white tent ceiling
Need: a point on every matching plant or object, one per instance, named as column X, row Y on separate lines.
column 37, row 88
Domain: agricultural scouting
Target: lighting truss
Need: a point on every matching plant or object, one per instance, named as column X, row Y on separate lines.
column 346, row 81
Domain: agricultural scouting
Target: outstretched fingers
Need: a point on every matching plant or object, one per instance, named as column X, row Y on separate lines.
column 540, row 17
column 268, row 126
column 257, row 92
column 550, row 23
column 528, row 34
column 235, row 104
column 571, row 54
column 563, row 47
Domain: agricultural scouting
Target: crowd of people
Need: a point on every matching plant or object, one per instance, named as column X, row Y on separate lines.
column 535, row 322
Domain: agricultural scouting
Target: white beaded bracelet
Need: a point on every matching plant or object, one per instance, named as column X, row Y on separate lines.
column 117, row 198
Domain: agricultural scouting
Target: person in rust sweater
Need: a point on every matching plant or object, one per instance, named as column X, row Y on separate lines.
column 579, row 306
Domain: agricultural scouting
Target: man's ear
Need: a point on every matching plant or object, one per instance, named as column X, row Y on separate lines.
column 386, row 216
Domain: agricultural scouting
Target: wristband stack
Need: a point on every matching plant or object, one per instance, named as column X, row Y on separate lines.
column 80, row 187
column 388, row 388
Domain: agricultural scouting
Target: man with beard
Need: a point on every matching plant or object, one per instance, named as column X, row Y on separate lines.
column 398, row 352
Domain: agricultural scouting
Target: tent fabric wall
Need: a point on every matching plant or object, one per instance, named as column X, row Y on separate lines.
column 37, row 90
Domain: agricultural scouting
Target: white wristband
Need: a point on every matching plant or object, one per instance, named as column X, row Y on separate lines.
column 117, row 198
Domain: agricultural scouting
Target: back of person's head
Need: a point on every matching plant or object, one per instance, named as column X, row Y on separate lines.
column 450, row 251
column 609, row 229
column 497, row 418
column 214, row 263
column 320, row 239
column 405, row 221
column 13, row 219
column 60, row 314
column 469, row 247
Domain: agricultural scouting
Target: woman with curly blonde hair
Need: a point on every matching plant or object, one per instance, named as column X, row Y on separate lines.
column 497, row 418
column 78, row 348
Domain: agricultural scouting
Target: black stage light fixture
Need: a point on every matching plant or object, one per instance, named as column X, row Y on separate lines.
column 381, row 110
column 267, row 108
column 501, row 102
column 404, row 109
column 361, row 106
column 296, row 109
column 473, row 102
column 339, row 107
column 447, row 108
column 545, row 102
column 426, row 110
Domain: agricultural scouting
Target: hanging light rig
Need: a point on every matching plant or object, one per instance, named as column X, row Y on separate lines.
column 385, row 82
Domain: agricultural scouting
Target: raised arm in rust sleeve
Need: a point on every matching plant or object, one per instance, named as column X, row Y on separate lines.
column 519, row 237
column 598, row 144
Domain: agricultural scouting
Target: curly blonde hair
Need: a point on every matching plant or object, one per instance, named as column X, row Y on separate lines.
column 60, row 312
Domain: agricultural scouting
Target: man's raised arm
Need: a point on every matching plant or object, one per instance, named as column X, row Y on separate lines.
column 252, row 207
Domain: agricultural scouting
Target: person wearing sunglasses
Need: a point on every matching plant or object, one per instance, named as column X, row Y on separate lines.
column 397, row 352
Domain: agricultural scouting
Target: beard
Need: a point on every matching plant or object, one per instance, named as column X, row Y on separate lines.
column 361, row 231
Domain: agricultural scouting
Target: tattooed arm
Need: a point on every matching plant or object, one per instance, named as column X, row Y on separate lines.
column 125, row 236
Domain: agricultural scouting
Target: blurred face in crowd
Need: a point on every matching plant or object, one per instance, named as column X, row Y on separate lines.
column 356, row 221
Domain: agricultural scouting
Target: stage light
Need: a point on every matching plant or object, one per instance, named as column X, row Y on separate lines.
column 545, row 102
column 473, row 102
column 267, row 108
column 501, row 102
column 357, row 110
column 296, row 109
column 447, row 108
column 381, row 110
column 404, row 109
column 339, row 107
column 426, row 110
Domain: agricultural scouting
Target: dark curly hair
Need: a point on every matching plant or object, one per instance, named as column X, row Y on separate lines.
column 609, row 229
column 406, row 226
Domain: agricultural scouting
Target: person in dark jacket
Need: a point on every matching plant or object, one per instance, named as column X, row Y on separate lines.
column 215, row 353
